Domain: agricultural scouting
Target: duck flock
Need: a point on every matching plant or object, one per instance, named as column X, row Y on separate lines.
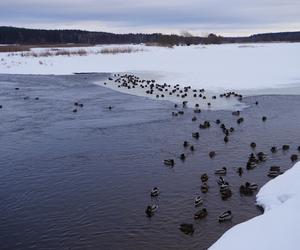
column 183, row 95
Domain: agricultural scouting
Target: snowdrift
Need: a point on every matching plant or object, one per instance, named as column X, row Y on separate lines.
column 279, row 226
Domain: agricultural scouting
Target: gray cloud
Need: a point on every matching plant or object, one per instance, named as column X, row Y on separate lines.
column 230, row 16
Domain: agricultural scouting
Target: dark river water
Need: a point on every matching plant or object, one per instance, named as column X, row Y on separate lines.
column 82, row 180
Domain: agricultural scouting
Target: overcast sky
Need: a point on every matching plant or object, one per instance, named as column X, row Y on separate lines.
column 225, row 17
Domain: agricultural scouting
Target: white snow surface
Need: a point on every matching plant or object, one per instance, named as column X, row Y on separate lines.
column 279, row 227
column 263, row 67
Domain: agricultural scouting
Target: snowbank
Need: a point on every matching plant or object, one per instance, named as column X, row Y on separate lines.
column 279, row 226
column 213, row 67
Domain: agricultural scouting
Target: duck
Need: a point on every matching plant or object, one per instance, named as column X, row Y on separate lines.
column 154, row 192
column 285, row 147
column 194, row 119
column 240, row 171
column 185, row 144
column 274, row 171
column 182, row 157
column 192, row 148
column 212, row 154
column 273, row 149
column 224, row 187
column 200, row 214
column 187, row 228
column 245, row 190
column 226, row 139
column 273, row 174
column 251, row 165
column 253, row 145
column 251, row 186
column 196, row 135
column 221, row 171
column 225, row 194
column 169, row 162
column 225, row 216
column 236, row 113
column 264, row 118
column 261, row 156
column 198, row 201
column 298, row 148
column 204, row 177
column 204, row 188
column 294, row 157
column 221, row 181
column 184, row 103
column 205, row 125
column 240, row 120
column 150, row 210
column 74, row 110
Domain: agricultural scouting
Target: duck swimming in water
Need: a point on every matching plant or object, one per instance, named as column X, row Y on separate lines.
column 225, row 194
column 225, row 216
column 221, row 181
column 169, row 162
column 154, row 192
column 245, row 190
column 150, row 210
column 226, row 139
column 285, row 147
column 251, row 186
column 261, row 156
column 198, row 201
column 212, row 154
column 200, row 214
column 204, row 177
column 274, row 171
column 182, row 157
column 294, row 157
column 204, row 188
column 187, row 228
column 224, row 187
column 221, row 171
column 273, row 149
column 240, row 171
column 196, row 135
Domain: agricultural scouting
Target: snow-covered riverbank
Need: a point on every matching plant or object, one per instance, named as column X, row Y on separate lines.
column 279, row 226
column 213, row 67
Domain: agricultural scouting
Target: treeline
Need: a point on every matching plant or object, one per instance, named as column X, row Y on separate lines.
column 12, row 35
column 22, row 36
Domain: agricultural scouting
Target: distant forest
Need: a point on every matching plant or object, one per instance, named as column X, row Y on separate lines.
column 23, row 36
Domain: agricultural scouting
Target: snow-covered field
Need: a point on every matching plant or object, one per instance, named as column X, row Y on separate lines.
column 279, row 226
column 266, row 67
